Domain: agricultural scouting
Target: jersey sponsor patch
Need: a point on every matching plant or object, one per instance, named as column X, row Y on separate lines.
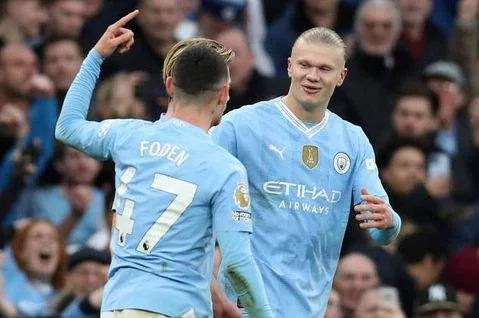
column 341, row 162
column 241, row 216
column 241, row 196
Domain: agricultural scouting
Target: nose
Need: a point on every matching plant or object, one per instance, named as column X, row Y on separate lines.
column 313, row 74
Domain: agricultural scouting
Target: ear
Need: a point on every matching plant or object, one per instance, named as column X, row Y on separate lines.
column 289, row 66
column 224, row 95
column 342, row 77
column 169, row 86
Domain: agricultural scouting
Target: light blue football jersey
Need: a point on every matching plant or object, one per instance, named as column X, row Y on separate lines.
column 302, row 181
column 174, row 186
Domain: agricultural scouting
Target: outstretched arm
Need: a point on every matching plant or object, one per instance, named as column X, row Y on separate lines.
column 243, row 273
column 72, row 127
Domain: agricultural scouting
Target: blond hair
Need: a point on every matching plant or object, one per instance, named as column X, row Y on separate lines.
column 322, row 35
column 172, row 56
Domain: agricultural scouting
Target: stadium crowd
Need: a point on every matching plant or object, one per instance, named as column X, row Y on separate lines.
column 412, row 85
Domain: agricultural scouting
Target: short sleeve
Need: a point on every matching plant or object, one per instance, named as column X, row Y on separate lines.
column 366, row 174
column 231, row 204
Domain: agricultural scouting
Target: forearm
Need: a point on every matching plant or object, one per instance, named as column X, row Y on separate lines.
column 243, row 273
column 77, row 100
column 68, row 224
column 386, row 236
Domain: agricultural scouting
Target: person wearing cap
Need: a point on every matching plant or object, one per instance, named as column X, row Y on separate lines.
column 87, row 273
column 454, row 136
column 437, row 301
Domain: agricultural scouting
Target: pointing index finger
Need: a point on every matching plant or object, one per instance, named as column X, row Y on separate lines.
column 127, row 18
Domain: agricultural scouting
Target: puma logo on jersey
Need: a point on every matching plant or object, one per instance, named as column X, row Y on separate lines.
column 275, row 149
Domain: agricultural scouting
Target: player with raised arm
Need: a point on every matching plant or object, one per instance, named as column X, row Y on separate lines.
column 305, row 166
column 170, row 198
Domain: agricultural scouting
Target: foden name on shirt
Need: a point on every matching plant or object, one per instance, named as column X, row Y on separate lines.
column 170, row 151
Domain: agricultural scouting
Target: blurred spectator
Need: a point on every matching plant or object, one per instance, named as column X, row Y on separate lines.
column 379, row 302
column 102, row 13
column 426, row 41
column 334, row 305
column 273, row 10
column 154, row 36
column 376, row 69
column 414, row 115
column 402, row 167
column 30, row 130
column 248, row 86
column 392, row 271
column 466, row 41
column 216, row 16
column 462, row 273
column 22, row 21
column 424, row 252
column 454, row 136
column 92, row 7
column 438, row 301
column 213, row 17
column 66, row 18
column 87, row 272
column 297, row 18
column 35, row 269
column 62, row 58
column 75, row 205
column 117, row 98
column 356, row 273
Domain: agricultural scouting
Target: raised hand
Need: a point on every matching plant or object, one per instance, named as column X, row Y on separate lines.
column 374, row 213
column 117, row 37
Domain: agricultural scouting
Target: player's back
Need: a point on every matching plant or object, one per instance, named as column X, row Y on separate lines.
column 167, row 174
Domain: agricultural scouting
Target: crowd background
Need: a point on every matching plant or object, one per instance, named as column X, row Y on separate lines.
column 412, row 85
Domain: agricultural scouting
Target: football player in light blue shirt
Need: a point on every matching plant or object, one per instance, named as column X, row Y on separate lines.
column 305, row 166
column 175, row 190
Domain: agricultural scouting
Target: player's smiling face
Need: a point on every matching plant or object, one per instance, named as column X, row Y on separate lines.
column 315, row 70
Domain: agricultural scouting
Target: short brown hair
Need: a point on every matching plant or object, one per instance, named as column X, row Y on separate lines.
column 172, row 56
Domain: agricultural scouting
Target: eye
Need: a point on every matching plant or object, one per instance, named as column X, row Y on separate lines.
column 303, row 64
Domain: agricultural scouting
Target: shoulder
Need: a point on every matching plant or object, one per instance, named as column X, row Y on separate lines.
column 249, row 112
column 225, row 161
column 347, row 126
column 352, row 132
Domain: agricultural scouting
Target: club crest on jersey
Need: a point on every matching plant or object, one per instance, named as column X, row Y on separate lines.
column 241, row 196
column 310, row 156
column 341, row 162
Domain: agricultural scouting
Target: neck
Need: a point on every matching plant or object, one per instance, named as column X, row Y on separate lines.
column 196, row 115
column 314, row 115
